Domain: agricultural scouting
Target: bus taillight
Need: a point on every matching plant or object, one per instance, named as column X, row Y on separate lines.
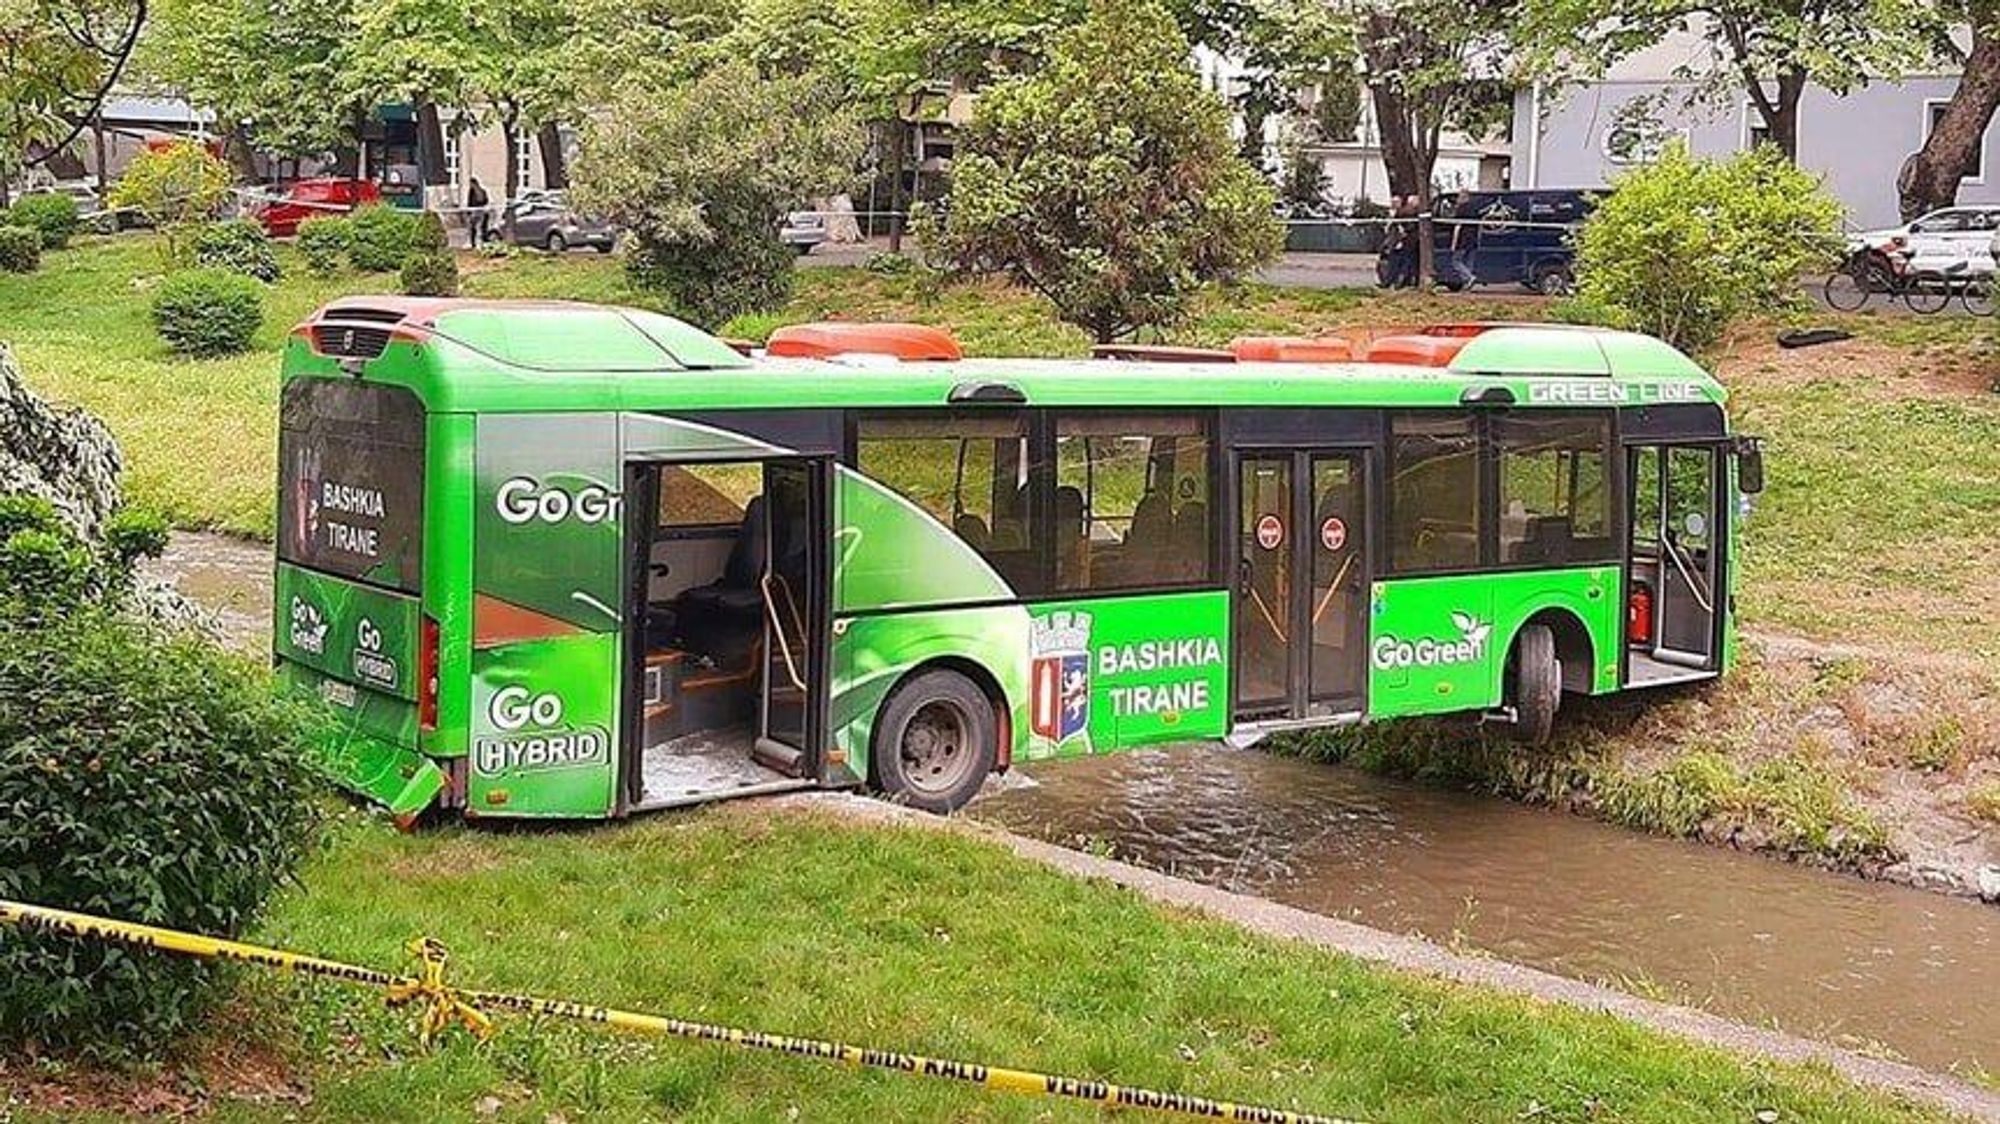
column 1639, row 615
column 427, row 677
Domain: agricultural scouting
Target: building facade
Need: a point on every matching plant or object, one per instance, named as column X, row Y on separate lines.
column 1587, row 135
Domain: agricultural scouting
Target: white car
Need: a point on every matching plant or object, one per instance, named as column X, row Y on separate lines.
column 1943, row 241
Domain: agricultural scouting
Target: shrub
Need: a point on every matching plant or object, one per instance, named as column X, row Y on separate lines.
column 148, row 778
column 176, row 187
column 52, row 213
column 1107, row 179
column 20, row 249
column 747, row 267
column 239, row 246
column 1686, row 247
column 430, row 270
column 699, row 175
column 379, row 238
column 323, row 242
column 208, row 312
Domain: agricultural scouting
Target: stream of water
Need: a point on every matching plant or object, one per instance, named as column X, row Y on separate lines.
column 1862, row 964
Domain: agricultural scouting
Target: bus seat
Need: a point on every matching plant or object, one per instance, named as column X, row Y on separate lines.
column 1190, row 540
column 1417, row 350
column 1152, row 522
column 734, row 599
column 1071, row 535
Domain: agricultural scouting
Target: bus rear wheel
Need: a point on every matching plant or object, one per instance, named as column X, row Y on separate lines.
column 933, row 743
column 1537, row 684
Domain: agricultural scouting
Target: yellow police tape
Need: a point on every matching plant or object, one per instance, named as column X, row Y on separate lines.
column 444, row 1006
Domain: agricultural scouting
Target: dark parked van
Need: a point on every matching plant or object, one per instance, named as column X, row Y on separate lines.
column 1539, row 253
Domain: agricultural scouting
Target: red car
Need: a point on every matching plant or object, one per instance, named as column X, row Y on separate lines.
column 303, row 199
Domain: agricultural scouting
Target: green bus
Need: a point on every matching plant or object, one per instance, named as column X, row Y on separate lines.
column 561, row 560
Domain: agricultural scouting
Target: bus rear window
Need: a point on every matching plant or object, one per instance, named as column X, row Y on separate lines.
column 351, row 481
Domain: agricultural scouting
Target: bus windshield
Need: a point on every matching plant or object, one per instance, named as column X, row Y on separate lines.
column 351, row 481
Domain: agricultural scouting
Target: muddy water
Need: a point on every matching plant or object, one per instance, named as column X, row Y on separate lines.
column 229, row 577
column 1861, row 964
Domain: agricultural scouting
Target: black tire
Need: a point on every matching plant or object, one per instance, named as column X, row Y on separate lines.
column 1536, row 681
column 602, row 247
column 1846, row 290
column 1552, row 279
column 934, row 742
column 803, row 248
column 1977, row 296
column 555, row 243
column 1929, row 292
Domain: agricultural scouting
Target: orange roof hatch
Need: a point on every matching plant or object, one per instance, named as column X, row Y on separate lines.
column 829, row 338
column 1417, row 350
column 1292, row 349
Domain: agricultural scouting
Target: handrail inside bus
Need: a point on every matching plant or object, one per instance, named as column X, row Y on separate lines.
column 778, row 628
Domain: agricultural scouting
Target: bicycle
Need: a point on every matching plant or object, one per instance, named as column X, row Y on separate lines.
column 1933, row 290
column 1863, row 274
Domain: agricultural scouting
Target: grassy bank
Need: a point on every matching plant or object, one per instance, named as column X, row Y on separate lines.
column 200, row 435
column 1880, row 532
column 901, row 938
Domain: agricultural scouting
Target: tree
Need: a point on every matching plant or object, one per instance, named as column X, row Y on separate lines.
column 701, row 171
column 176, row 188
column 1107, row 180
column 59, row 59
column 277, row 65
column 1685, row 247
column 1766, row 50
column 1931, row 177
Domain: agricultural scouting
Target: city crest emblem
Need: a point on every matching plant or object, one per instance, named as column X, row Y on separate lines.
column 1059, row 675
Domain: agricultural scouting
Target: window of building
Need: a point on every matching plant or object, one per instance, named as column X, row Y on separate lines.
column 1131, row 506
column 1555, row 490
column 1433, row 493
column 1975, row 170
column 970, row 472
column 453, row 157
column 524, row 158
column 1635, row 134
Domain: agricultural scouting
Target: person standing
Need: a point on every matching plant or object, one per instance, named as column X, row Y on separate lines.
column 476, row 201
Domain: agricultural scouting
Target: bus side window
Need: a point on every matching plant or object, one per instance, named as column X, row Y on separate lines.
column 1554, row 506
column 1132, row 497
column 1433, row 493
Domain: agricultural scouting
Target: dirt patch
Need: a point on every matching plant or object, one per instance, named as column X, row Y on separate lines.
column 232, row 1062
column 1892, row 369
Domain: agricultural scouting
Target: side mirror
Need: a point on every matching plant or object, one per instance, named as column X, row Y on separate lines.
column 1750, row 465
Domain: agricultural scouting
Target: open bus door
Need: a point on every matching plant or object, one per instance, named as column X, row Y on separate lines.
column 1676, row 494
column 728, row 666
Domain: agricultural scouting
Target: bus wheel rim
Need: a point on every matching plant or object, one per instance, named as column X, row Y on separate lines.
column 934, row 750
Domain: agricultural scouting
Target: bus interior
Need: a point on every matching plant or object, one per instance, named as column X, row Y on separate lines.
column 719, row 572
column 1675, row 561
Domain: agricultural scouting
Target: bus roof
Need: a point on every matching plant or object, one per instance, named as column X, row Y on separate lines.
column 520, row 356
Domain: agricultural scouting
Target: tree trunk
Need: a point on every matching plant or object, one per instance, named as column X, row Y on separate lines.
column 555, row 169
column 1409, row 175
column 98, row 144
column 430, row 144
column 899, row 143
column 1930, row 180
column 510, row 133
column 241, row 157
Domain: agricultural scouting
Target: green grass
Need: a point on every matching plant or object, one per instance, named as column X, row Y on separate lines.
column 920, row 941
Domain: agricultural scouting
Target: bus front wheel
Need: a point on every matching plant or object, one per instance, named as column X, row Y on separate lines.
column 933, row 743
column 1537, row 684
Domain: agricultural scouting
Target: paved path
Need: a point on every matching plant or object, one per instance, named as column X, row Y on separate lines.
column 1414, row 954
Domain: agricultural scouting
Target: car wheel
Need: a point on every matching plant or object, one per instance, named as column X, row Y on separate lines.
column 1553, row 280
column 602, row 247
column 934, row 742
column 803, row 248
column 555, row 242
